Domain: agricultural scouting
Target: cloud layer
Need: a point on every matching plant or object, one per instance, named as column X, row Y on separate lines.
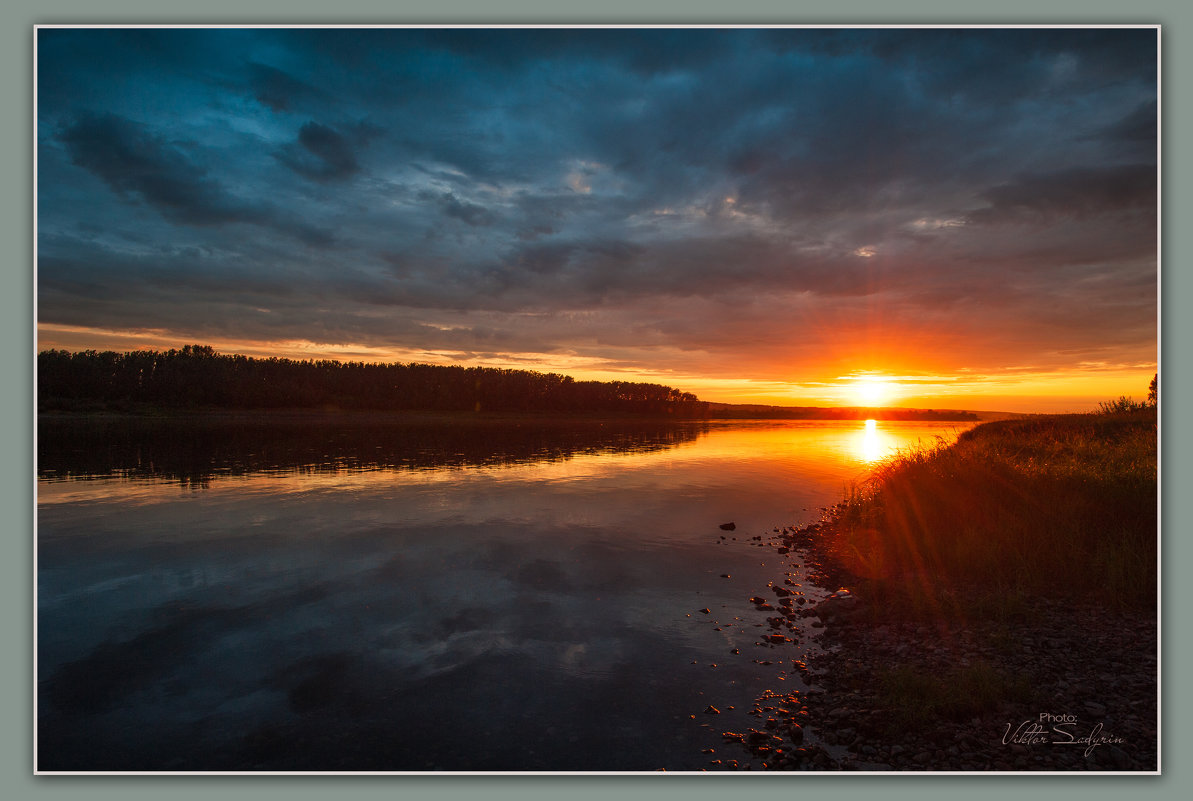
column 778, row 205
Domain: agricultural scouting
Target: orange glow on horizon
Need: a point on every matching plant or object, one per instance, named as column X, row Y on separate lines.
column 1075, row 388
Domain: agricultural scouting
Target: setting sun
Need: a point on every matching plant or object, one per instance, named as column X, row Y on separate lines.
column 872, row 391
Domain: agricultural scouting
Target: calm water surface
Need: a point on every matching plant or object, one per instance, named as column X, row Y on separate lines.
column 478, row 597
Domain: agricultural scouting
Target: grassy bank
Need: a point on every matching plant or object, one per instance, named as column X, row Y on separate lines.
column 1050, row 506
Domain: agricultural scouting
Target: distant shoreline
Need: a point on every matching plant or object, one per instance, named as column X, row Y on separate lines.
column 301, row 415
column 197, row 380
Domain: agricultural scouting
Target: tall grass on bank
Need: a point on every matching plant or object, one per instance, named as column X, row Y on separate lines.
column 1057, row 506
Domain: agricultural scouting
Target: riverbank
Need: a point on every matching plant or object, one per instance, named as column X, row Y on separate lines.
column 1000, row 605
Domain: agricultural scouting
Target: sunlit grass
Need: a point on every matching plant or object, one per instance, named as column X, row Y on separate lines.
column 1059, row 506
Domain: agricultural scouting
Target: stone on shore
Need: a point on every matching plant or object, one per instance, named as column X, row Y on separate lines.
column 840, row 605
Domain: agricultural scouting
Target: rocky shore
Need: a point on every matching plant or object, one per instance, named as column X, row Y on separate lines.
column 1055, row 684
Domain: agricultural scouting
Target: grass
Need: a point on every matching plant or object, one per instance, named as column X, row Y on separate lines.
column 1057, row 506
column 917, row 697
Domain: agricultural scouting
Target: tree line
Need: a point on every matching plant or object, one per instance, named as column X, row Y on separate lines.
column 196, row 377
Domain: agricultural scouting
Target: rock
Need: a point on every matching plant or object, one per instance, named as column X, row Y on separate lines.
column 712, row 710
column 728, row 527
column 705, row 611
column 796, row 733
column 838, row 606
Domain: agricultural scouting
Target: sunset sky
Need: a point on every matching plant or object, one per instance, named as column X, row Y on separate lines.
column 917, row 217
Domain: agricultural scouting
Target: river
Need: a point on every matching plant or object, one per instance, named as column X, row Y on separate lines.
column 501, row 596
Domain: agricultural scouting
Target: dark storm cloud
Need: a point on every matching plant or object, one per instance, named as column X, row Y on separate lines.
column 278, row 89
column 644, row 52
column 1135, row 136
column 471, row 213
column 138, row 164
column 135, row 163
column 612, row 172
column 533, row 232
column 321, row 154
column 997, row 66
column 1137, row 128
column 1075, row 192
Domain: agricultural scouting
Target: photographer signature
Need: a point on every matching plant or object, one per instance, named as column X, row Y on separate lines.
column 1053, row 729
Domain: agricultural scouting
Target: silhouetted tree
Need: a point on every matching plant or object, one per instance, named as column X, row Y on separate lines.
column 197, row 377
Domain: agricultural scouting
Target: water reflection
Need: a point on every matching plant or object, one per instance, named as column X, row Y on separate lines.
column 398, row 599
column 194, row 451
column 874, row 445
column 878, row 441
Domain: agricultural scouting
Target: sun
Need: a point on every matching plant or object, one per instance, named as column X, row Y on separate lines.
column 871, row 391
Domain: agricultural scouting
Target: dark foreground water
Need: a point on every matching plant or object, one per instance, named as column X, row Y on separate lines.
column 408, row 597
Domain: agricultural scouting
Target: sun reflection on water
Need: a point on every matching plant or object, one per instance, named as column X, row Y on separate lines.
column 873, row 444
